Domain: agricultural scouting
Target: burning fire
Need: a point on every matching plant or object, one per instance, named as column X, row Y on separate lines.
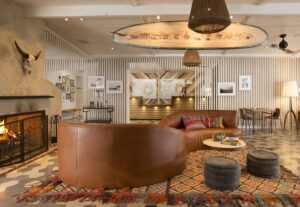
column 5, row 133
column 3, row 130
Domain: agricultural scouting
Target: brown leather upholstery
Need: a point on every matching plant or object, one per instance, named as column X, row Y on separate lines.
column 116, row 156
column 194, row 138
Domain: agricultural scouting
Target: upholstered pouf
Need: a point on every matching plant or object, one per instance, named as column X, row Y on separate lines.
column 222, row 173
column 263, row 163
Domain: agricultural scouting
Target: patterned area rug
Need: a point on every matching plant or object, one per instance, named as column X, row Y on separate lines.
column 186, row 188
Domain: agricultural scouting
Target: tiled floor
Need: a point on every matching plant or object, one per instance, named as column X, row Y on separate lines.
column 286, row 144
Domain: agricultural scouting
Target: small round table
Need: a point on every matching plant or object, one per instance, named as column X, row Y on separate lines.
column 219, row 146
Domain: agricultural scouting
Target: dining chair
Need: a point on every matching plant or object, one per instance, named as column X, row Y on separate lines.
column 275, row 115
column 245, row 117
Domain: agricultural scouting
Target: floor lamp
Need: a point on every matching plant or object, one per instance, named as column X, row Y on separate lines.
column 290, row 89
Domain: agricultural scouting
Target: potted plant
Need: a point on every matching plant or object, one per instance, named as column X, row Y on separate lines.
column 218, row 136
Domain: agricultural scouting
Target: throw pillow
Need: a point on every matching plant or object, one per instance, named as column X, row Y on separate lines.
column 193, row 122
column 216, row 122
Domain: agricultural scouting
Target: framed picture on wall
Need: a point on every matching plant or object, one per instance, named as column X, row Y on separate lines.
column 63, row 79
column 72, row 89
column 63, row 87
column 72, row 82
column 68, row 96
column 59, row 78
column 72, row 97
column 68, row 88
column 58, row 85
column 245, row 83
column 226, row 89
column 95, row 82
column 68, row 78
column 114, row 87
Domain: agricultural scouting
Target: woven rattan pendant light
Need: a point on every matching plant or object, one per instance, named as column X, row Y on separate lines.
column 191, row 58
column 209, row 16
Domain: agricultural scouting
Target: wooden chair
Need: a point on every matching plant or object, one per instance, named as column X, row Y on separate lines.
column 272, row 116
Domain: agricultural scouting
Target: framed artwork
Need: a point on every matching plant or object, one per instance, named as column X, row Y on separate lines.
column 68, row 96
column 58, row 85
column 226, row 89
column 72, row 89
column 59, row 78
column 63, row 87
column 171, row 87
column 68, row 87
column 147, row 88
column 95, row 82
column 72, row 97
column 67, row 78
column 72, row 82
column 245, row 83
column 63, row 79
column 114, row 87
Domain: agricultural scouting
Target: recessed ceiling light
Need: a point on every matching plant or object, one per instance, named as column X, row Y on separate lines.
column 81, row 19
column 231, row 17
column 266, row 47
column 112, row 48
column 66, row 19
column 158, row 17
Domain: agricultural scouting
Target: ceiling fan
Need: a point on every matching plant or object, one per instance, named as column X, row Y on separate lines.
column 283, row 45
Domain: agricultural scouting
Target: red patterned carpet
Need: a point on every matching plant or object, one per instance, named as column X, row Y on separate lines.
column 188, row 187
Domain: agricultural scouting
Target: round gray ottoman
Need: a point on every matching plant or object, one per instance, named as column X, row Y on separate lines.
column 263, row 163
column 222, row 173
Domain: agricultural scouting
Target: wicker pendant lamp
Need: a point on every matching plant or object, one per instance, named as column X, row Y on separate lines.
column 209, row 16
column 191, row 58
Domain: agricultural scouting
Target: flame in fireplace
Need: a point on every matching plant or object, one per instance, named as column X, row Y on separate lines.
column 5, row 134
column 3, row 130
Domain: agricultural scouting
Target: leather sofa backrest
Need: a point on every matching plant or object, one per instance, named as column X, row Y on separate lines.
column 110, row 155
column 230, row 117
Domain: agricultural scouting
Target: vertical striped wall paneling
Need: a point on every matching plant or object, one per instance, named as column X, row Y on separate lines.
column 268, row 75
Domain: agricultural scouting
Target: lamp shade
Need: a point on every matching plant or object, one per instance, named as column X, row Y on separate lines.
column 191, row 58
column 209, row 16
column 290, row 89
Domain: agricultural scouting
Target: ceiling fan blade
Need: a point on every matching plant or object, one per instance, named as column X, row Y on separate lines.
column 287, row 51
column 295, row 52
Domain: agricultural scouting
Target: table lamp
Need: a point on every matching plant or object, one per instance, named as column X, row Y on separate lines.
column 290, row 89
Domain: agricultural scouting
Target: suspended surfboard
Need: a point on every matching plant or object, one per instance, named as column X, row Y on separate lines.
column 177, row 36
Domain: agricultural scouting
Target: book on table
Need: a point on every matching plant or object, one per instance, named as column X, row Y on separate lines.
column 234, row 141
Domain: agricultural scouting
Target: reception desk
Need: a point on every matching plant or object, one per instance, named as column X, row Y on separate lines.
column 141, row 111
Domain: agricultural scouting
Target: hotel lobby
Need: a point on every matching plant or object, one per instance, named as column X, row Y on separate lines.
column 150, row 103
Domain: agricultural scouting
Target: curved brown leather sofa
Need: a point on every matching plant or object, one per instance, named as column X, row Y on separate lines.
column 116, row 156
column 194, row 138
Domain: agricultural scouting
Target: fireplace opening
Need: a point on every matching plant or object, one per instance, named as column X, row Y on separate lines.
column 22, row 136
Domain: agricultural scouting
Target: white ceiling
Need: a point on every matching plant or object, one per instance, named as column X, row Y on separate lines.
column 101, row 17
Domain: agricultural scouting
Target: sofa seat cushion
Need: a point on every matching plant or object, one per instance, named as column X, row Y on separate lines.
column 194, row 138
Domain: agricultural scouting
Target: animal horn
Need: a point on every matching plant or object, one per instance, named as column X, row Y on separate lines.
column 36, row 57
column 24, row 54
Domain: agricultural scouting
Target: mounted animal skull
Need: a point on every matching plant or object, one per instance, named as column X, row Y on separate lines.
column 28, row 59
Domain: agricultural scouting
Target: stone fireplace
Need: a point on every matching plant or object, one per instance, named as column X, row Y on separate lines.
column 22, row 94
column 22, row 136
